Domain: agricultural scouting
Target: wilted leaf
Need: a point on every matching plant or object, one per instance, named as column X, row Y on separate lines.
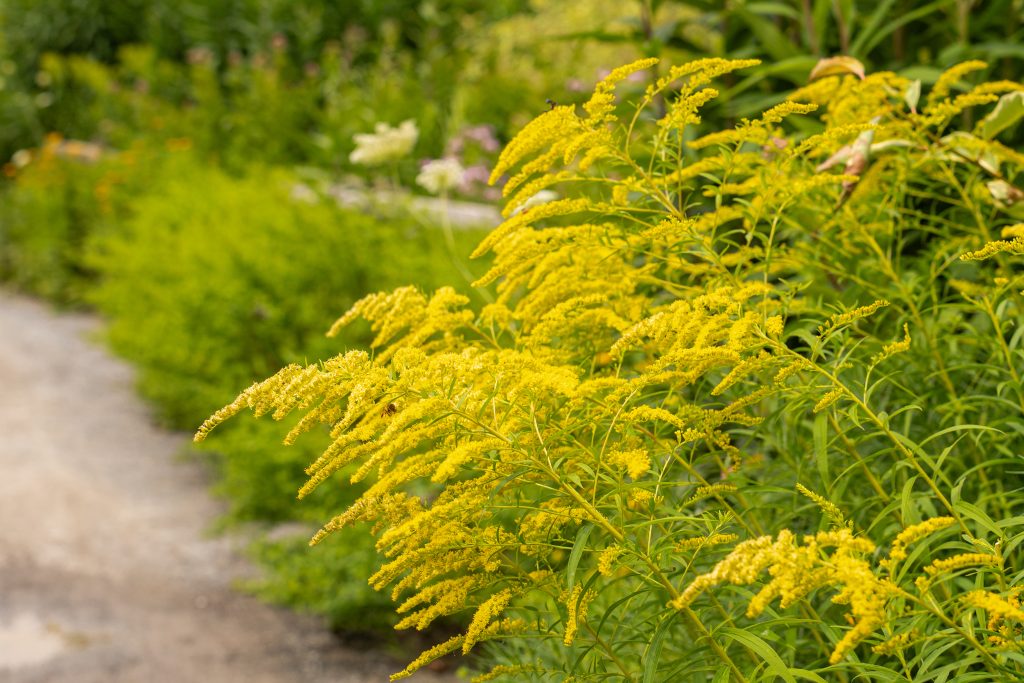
column 964, row 147
column 912, row 95
column 837, row 66
column 860, row 154
column 844, row 153
column 841, row 156
column 1004, row 192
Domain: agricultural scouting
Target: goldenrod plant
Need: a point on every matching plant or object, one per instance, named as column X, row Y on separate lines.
column 747, row 405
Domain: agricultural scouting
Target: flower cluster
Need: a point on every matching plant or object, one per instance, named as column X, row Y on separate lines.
column 440, row 175
column 385, row 145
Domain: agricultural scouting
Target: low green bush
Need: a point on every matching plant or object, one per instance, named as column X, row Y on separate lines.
column 330, row 581
column 214, row 280
column 47, row 211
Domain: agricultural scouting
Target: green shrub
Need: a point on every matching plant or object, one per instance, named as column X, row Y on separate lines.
column 50, row 209
column 330, row 581
column 201, row 283
column 747, row 405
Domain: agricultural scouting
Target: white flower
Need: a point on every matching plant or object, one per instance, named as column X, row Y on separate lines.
column 384, row 144
column 21, row 158
column 440, row 174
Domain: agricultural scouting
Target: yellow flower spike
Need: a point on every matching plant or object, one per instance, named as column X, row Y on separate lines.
column 601, row 104
column 703, row 541
column 607, row 559
column 485, row 615
column 951, row 77
column 827, row 400
column 840, row 319
column 1016, row 230
column 558, row 124
column 773, row 326
column 893, row 348
column 897, row 643
column 1012, row 246
column 951, row 564
column 995, row 605
column 576, row 604
column 913, row 533
column 830, row 509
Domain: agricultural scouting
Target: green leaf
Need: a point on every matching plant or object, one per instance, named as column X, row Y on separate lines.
column 768, row 35
column 578, row 547
column 907, row 508
column 774, row 8
column 761, row 649
column 653, row 650
column 878, row 17
column 1008, row 111
column 820, row 434
column 722, row 676
column 975, row 513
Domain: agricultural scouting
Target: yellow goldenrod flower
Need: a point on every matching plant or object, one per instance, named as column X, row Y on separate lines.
column 828, row 399
column 897, row 643
column 606, row 560
column 840, row 319
column 913, row 533
column 830, row 509
column 702, row 541
column 576, row 604
column 1012, row 246
column 636, row 462
column 893, row 348
column 995, row 605
column 951, row 77
column 796, row 569
column 485, row 615
column 951, row 564
column 602, row 102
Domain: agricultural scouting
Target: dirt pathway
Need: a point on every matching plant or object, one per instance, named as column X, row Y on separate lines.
column 106, row 573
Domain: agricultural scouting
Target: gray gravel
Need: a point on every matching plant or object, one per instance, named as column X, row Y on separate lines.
column 107, row 572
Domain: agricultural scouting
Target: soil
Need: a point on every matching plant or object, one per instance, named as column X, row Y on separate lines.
column 107, row 570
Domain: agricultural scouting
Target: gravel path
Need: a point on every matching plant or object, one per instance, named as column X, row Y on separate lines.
column 106, row 572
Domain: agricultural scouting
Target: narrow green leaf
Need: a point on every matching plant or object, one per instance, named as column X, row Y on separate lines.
column 768, row 35
column 820, row 435
column 907, row 509
column 653, row 650
column 762, row 650
column 975, row 513
column 878, row 17
column 722, row 676
column 578, row 546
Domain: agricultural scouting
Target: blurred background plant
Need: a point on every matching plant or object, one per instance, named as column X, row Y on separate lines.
column 176, row 165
